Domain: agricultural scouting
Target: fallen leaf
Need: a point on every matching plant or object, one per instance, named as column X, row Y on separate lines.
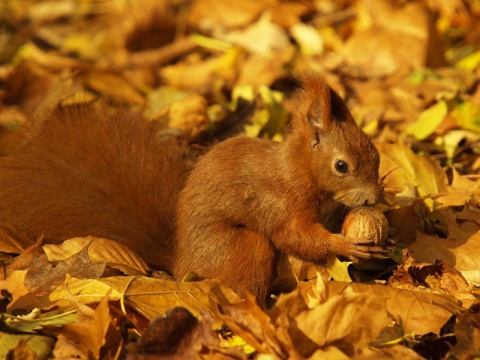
column 248, row 321
column 334, row 320
column 233, row 14
column 467, row 332
column 14, row 285
column 25, row 346
column 408, row 176
column 460, row 192
column 42, row 277
column 87, row 291
column 100, row 250
column 428, row 121
column 91, row 329
column 114, row 85
column 337, row 269
column 35, row 321
column 417, row 312
column 181, row 335
column 260, row 37
column 377, row 48
column 153, row 297
column 462, row 254
column 68, row 349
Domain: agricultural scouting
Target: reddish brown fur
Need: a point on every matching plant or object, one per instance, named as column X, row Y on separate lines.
column 85, row 172
column 248, row 197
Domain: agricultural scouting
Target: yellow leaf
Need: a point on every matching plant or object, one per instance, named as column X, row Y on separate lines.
column 91, row 329
column 85, row 291
column 245, row 92
column 428, row 121
column 470, row 62
column 308, row 38
column 271, row 118
column 408, row 176
column 337, row 269
column 211, row 43
column 85, row 44
column 260, row 119
column 467, row 115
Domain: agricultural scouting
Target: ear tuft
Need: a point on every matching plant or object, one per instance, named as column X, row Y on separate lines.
column 316, row 107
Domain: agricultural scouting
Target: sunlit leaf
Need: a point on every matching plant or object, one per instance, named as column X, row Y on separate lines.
column 30, row 324
column 467, row 115
column 309, row 39
column 428, row 121
column 39, row 346
column 470, row 62
column 337, row 269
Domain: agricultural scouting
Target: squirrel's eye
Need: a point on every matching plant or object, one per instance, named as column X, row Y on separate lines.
column 341, row 166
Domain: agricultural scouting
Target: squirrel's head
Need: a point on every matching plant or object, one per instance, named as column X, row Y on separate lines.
column 344, row 162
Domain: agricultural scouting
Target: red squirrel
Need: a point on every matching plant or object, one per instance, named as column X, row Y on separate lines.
column 86, row 172
column 249, row 197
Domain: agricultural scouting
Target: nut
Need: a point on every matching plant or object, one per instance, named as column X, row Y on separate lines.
column 366, row 223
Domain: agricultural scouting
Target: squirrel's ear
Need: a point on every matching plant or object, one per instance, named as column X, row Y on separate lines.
column 321, row 106
column 316, row 107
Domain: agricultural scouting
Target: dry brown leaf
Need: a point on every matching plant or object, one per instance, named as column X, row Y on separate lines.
column 90, row 331
column 390, row 352
column 437, row 277
column 318, row 319
column 388, row 102
column 248, row 321
column 263, row 69
column 14, row 284
column 417, row 312
column 291, row 270
column 461, row 191
column 189, row 115
column 405, row 221
column 200, row 75
column 150, row 297
column 459, row 230
column 463, row 254
column 231, row 14
column 380, row 49
column 470, row 213
column 88, row 291
column 42, row 277
column 111, row 252
column 68, row 349
column 180, row 335
column 467, row 331
column 113, row 85
column 153, row 297
column 23, row 261
column 262, row 37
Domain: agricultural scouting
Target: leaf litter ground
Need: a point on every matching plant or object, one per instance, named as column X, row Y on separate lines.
column 409, row 72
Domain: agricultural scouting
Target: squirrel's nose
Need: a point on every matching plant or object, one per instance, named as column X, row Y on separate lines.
column 371, row 197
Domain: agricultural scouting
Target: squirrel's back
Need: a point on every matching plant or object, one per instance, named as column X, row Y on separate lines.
column 89, row 172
